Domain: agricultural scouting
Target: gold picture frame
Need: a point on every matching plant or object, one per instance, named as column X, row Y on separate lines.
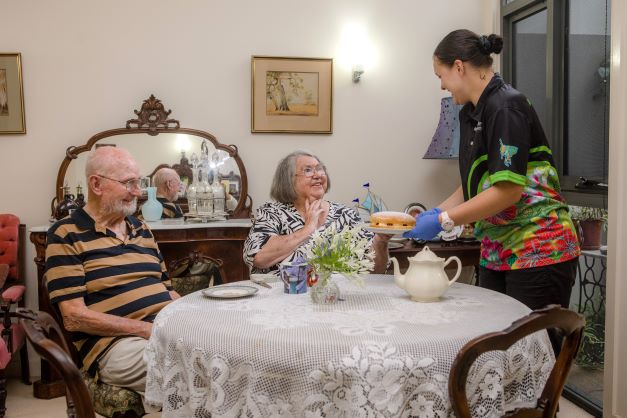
column 12, row 119
column 292, row 95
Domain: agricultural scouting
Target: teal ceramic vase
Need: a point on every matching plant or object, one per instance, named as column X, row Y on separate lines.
column 152, row 208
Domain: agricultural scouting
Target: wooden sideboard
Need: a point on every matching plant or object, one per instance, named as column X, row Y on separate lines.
column 222, row 240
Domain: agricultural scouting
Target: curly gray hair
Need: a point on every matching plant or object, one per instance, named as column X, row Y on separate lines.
column 282, row 189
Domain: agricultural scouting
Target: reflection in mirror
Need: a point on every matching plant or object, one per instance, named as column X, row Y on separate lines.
column 156, row 140
column 153, row 151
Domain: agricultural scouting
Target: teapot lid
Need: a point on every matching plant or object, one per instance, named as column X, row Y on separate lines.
column 426, row 255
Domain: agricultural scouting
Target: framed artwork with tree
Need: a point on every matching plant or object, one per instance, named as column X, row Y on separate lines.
column 11, row 95
column 292, row 95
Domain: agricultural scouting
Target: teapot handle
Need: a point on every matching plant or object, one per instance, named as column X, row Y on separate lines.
column 459, row 268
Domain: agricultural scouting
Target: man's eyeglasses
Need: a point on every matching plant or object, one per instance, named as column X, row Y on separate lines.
column 132, row 184
column 309, row 171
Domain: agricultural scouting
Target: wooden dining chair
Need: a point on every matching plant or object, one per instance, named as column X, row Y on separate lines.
column 47, row 339
column 552, row 316
column 107, row 400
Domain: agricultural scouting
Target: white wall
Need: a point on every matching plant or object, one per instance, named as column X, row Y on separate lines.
column 87, row 65
column 615, row 382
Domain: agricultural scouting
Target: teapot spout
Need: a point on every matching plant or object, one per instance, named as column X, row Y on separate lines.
column 399, row 278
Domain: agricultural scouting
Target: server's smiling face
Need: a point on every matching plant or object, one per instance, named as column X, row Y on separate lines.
column 452, row 79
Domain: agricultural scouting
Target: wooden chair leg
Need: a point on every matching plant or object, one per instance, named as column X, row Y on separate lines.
column 24, row 364
column 3, row 394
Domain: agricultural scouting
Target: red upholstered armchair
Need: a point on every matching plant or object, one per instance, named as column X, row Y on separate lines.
column 12, row 288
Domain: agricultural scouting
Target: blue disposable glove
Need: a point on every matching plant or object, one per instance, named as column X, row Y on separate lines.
column 434, row 211
column 427, row 227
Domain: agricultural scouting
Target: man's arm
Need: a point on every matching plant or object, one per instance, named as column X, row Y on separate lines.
column 78, row 318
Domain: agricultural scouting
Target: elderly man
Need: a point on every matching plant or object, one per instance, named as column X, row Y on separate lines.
column 106, row 274
column 168, row 184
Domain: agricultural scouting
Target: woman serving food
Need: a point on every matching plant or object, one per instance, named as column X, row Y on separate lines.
column 510, row 186
column 284, row 225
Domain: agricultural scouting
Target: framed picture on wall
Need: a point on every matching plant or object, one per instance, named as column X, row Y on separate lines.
column 11, row 95
column 292, row 95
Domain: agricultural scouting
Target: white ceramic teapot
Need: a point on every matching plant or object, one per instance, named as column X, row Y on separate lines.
column 425, row 279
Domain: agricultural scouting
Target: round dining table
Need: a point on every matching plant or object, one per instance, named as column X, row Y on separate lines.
column 374, row 353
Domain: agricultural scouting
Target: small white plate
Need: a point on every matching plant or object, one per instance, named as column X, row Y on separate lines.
column 229, row 292
column 394, row 245
column 388, row 231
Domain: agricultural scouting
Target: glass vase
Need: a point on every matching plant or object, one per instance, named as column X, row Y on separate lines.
column 152, row 208
column 325, row 291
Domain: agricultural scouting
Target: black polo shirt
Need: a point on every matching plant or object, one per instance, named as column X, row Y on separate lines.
column 498, row 138
column 501, row 139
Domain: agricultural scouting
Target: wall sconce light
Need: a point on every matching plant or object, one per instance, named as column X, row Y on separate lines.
column 356, row 52
column 358, row 70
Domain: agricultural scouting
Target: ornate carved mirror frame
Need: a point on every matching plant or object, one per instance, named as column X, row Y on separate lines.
column 153, row 119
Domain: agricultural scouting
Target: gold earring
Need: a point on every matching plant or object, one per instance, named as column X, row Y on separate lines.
column 482, row 76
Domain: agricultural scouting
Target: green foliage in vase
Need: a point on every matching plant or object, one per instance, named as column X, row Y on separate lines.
column 345, row 252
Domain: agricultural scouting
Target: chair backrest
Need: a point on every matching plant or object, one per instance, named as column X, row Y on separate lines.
column 11, row 246
column 47, row 339
column 553, row 316
column 55, row 314
column 194, row 272
column 4, row 272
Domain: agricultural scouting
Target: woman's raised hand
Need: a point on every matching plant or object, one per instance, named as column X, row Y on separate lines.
column 315, row 214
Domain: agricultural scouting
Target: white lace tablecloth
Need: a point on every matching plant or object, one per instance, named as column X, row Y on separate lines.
column 375, row 354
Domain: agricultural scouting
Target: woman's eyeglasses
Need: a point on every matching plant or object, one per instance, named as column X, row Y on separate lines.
column 309, row 171
column 132, row 184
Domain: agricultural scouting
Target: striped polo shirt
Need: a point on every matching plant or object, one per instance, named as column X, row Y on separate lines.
column 123, row 278
column 170, row 209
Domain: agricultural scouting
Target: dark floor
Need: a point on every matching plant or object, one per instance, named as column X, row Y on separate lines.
column 588, row 382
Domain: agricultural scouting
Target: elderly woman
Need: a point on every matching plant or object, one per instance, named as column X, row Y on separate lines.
column 283, row 226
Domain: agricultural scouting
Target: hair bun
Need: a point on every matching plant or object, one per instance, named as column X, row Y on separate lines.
column 485, row 45
column 490, row 44
column 496, row 43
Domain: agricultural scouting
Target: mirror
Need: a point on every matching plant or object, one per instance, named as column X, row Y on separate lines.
column 155, row 142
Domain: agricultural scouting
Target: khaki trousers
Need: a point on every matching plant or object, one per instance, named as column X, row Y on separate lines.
column 123, row 365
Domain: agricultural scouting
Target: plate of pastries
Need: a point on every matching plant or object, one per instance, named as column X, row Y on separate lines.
column 391, row 223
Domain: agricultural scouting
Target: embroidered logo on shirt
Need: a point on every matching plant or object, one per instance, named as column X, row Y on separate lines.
column 507, row 152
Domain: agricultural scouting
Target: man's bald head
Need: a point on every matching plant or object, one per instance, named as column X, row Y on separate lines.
column 108, row 171
column 167, row 182
column 109, row 161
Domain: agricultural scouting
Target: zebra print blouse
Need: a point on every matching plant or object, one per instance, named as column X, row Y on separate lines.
column 274, row 218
